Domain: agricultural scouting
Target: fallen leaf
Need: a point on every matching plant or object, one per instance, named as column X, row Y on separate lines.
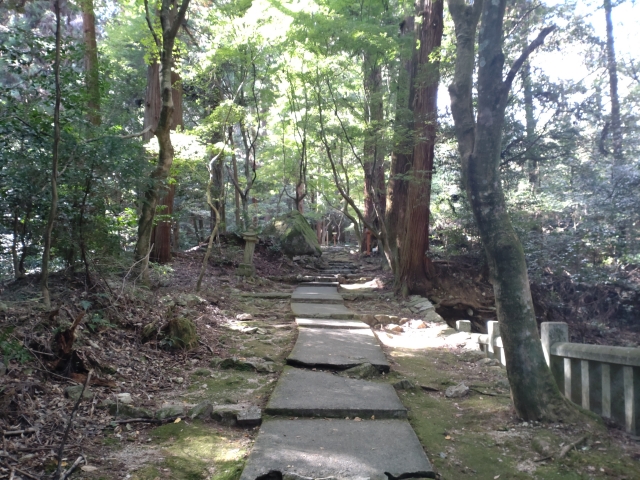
column 88, row 468
column 497, row 476
column 447, row 437
column 177, row 420
column 357, row 419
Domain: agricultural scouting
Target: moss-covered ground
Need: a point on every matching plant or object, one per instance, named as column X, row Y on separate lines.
column 479, row 436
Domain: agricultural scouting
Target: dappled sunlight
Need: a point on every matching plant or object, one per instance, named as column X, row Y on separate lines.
column 436, row 335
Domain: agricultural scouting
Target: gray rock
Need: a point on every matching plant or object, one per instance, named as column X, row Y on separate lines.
column 404, row 385
column 169, row 411
column 488, row 362
column 293, row 233
column 128, row 411
column 226, row 414
column 3, row 369
column 503, row 383
column 73, row 392
column 244, row 316
column 124, row 398
column 201, row 411
column 457, row 391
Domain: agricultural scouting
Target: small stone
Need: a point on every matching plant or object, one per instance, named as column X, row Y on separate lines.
column 178, row 380
column 244, row 316
column 250, row 417
column 459, row 390
column 124, row 398
column 73, row 392
column 394, row 328
column 469, row 312
column 488, row 362
column 3, row 369
column 404, row 385
column 88, row 468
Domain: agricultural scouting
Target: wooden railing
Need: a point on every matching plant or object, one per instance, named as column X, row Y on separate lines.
column 600, row 378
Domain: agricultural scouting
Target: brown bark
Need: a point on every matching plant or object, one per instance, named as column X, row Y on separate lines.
column 413, row 275
column 161, row 248
column 534, row 391
column 92, row 80
column 401, row 158
column 171, row 17
column 53, row 210
column 153, row 101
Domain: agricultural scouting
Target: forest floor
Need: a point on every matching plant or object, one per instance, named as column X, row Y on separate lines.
column 478, row 436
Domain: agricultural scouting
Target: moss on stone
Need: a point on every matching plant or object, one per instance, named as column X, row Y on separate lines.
column 181, row 333
column 294, row 235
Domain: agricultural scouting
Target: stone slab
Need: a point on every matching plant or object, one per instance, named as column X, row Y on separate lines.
column 318, row 310
column 337, row 348
column 327, row 283
column 329, row 323
column 303, row 393
column 375, row 449
column 317, row 297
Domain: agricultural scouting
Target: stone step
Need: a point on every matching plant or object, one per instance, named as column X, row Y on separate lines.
column 303, row 393
column 321, row 283
column 320, row 310
column 329, row 323
column 345, row 449
column 337, row 349
column 316, row 294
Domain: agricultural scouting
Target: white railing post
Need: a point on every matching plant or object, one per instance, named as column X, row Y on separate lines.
column 550, row 333
column 493, row 331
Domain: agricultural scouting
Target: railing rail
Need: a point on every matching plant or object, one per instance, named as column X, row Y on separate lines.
column 600, row 378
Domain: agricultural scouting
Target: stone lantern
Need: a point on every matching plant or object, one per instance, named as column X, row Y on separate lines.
column 246, row 268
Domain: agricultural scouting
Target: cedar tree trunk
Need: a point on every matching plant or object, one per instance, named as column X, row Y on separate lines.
column 413, row 274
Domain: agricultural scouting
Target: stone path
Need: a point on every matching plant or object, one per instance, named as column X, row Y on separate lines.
column 323, row 425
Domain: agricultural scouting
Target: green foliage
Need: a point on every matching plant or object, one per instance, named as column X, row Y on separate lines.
column 11, row 348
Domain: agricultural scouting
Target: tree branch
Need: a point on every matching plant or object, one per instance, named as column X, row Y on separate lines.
column 523, row 57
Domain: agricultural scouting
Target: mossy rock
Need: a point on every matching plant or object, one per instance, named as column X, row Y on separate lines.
column 294, row 235
column 181, row 333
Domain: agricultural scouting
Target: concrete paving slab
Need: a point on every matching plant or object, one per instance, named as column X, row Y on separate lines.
column 337, row 348
column 317, row 289
column 312, row 296
column 318, row 310
column 303, row 393
column 329, row 323
column 375, row 449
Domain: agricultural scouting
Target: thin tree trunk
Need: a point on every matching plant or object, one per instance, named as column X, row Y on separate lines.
column 612, row 67
column 53, row 210
column 532, row 154
column 414, row 269
column 534, row 391
column 92, row 79
column 236, row 196
column 374, row 184
column 171, row 18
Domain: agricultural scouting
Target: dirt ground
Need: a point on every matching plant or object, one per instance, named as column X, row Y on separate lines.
column 477, row 435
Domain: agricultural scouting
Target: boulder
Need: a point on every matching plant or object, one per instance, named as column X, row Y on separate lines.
column 128, row 411
column 294, row 235
column 73, row 392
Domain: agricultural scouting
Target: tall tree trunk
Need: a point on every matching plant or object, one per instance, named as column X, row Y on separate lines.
column 171, row 17
column 152, row 102
column 402, row 156
column 534, row 391
column 92, row 79
column 414, row 265
column 612, row 67
column 373, row 152
column 53, row 210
